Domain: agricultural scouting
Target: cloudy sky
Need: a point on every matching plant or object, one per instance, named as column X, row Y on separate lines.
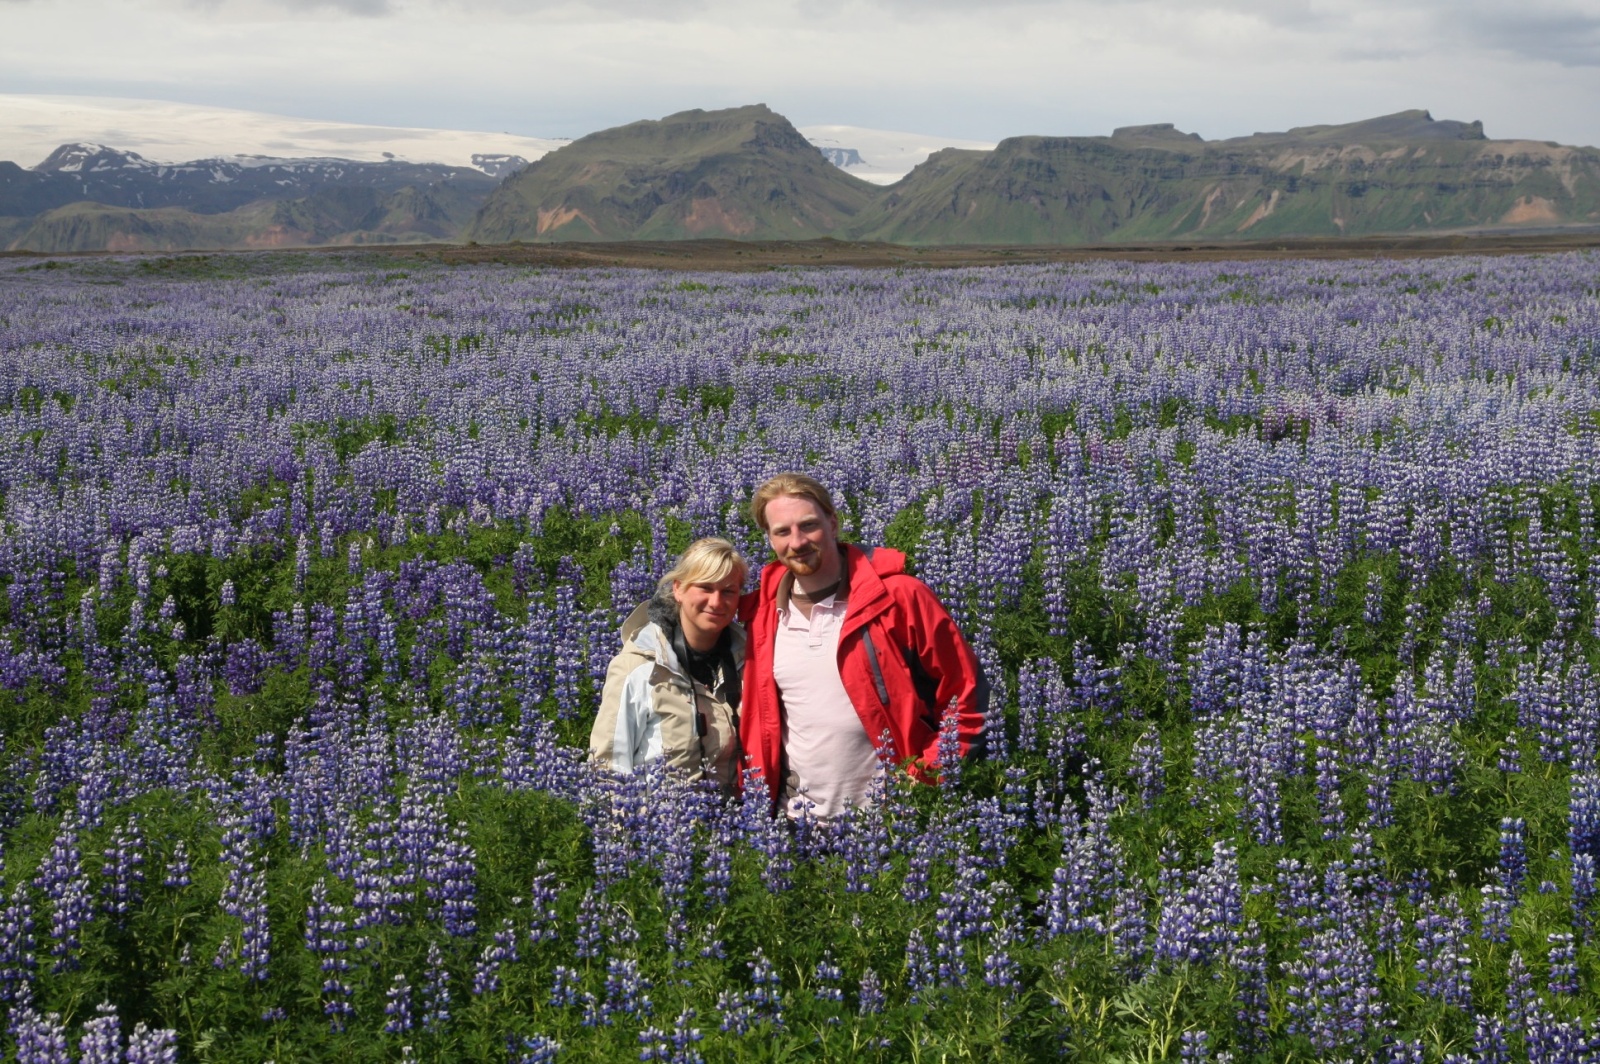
column 553, row 68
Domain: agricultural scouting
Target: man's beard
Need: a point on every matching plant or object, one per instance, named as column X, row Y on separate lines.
column 803, row 565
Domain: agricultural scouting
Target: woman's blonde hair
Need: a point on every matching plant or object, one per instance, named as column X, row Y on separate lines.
column 707, row 561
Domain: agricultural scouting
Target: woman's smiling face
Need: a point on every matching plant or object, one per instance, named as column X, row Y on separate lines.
column 705, row 608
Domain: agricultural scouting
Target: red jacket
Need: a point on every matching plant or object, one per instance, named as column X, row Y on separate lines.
column 901, row 657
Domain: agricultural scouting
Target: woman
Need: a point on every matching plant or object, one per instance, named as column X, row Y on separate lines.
column 673, row 690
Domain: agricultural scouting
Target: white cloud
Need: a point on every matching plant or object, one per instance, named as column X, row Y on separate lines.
column 984, row 71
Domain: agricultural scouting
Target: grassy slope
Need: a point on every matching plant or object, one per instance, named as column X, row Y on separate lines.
column 743, row 172
column 357, row 215
column 1348, row 181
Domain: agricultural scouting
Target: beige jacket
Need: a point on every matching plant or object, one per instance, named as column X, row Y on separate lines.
column 649, row 708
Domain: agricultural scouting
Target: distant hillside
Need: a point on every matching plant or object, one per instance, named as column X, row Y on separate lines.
column 335, row 215
column 744, row 172
column 1396, row 174
column 88, row 197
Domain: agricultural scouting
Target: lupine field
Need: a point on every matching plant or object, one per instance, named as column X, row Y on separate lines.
column 1285, row 575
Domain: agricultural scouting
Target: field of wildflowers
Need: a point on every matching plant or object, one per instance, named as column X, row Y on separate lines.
column 1286, row 575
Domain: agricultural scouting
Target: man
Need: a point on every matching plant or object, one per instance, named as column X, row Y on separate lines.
column 845, row 651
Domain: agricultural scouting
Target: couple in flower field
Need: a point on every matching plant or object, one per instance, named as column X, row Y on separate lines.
column 836, row 654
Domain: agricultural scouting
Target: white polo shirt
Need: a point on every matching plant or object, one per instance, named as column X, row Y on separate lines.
column 830, row 756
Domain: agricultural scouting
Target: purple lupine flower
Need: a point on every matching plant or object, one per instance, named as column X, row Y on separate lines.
column 1510, row 756
column 397, row 1005
column 1495, row 913
column 1194, row 1047
column 1489, row 1045
column 325, row 939
column 152, row 1047
column 1146, row 768
column 921, row 975
column 627, row 991
column 1404, row 1051
column 451, row 881
column 1513, row 866
column 963, row 916
column 1583, row 817
column 1333, row 994
column 435, row 992
column 501, row 950
column 244, row 896
column 766, row 835
column 102, row 1037
column 534, row 1049
column 40, row 1039
column 62, row 879
column 566, row 990
column 591, row 924
column 1584, row 889
column 716, row 867
column 1129, row 928
column 825, row 980
column 1443, row 962
column 949, row 748
column 1372, row 607
column 1329, row 800
column 1522, row 1000
column 544, row 917
column 122, row 871
column 738, row 1017
column 685, row 1037
column 914, row 888
column 1000, row 967
column 178, row 869
column 870, row 996
column 17, row 961
column 654, row 1045
column 765, row 997
column 1249, row 962
column 1563, row 963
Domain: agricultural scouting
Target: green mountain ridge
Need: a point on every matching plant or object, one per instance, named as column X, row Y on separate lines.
column 336, row 215
column 1395, row 174
column 746, row 173
column 743, row 172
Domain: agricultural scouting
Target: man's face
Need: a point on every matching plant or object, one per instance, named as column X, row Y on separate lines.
column 802, row 535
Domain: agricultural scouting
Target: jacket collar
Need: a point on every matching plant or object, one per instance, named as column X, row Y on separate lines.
column 645, row 636
column 859, row 579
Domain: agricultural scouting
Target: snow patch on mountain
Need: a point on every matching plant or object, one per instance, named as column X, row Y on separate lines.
column 158, row 133
column 879, row 155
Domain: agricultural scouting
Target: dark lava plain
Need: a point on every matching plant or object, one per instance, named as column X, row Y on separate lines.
column 770, row 254
column 755, row 255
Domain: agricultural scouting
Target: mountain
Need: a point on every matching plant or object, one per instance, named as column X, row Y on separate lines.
column 1399, row 173
column 743, row 172
column 77, row 172
column 91, row 197
column 746, row 173
column 32, row 124
column 359, row 214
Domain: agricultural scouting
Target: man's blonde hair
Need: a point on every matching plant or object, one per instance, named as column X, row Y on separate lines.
column 797, row 485
column 707, row 561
